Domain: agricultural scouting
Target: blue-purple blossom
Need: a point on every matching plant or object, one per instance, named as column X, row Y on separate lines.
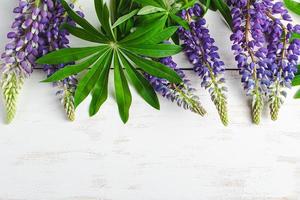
column 182, row 94
column 18, row 59
column 35, row 31
column 21, row 52
column 266, row 58
column 54, row 38
column 202, row 52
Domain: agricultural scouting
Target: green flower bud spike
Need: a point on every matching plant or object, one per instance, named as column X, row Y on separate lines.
column 68, row 102
column 221, row 105
column 11, row 86
column 275, row 107
column 257, row 107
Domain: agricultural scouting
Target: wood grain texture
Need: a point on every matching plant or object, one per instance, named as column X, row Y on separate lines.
column 158, row 155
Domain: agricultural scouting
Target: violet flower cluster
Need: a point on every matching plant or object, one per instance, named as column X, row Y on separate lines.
column 52, row 39
column 20, row 53
column 182, row 94
column 29, row 36
column 266, row 57
column 202, row 52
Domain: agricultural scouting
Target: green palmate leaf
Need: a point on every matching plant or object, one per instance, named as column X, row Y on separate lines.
column 104, row 17
column 142, row 34
column 83, row 34
column 121, row 47
column 123, row 19
column 126, row 27
column 149, row 3
column 295, row 36
column 296, row 81
column 164, row 35
column 124, row 7
column 79, row 20
column 297, row 95
column 113, row 4
column 180, row 21
column 100, row 91
column 189, row 4
column 87, row 83
column 162, row 3
column 149, row 10
column 69, row 55
column 75, row 69
column 293, row 6
column 155, row 68
column 142, row 85
column 224, row 10
column 144, row 20
column 209, row 5
column 298, row 72
column 154, row 50
column 122, row 91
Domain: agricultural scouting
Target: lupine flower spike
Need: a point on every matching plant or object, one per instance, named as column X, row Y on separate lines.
column 250, row 52
column 182, row 94
column 20, row 53
column 202, row 53
column 37, row 22
column 283, row 54
column 266, row 59
column 52, row 39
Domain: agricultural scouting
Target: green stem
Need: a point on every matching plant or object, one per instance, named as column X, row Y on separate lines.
column 37, row 3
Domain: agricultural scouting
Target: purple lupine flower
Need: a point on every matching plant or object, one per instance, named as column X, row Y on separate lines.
column 182, row 94
column 202, row 52
column 266, row 59
column 35, row 32
column 20, row 53
column 250, row 52
column 283, row 54
column 52, row 39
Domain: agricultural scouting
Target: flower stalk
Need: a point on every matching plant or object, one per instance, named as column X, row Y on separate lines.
column 202, row 53
column 182, row 94
column 266, row 58
column 36, row 31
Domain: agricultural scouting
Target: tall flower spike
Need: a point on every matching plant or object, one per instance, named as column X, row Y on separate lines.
column 182, row 94
column 260, row 34
column 283, row 54
column 20, row 53
column 202, row 53
column 250, row 52
column 52, row 39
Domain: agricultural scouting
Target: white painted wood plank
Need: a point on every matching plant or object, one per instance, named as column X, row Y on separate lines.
column 171, row 154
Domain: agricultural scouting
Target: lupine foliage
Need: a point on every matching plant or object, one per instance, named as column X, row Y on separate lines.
column 293, row 6
column 183, row 94
column 118, row 49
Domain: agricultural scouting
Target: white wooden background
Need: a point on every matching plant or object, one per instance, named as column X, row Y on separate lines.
column 168, row 155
